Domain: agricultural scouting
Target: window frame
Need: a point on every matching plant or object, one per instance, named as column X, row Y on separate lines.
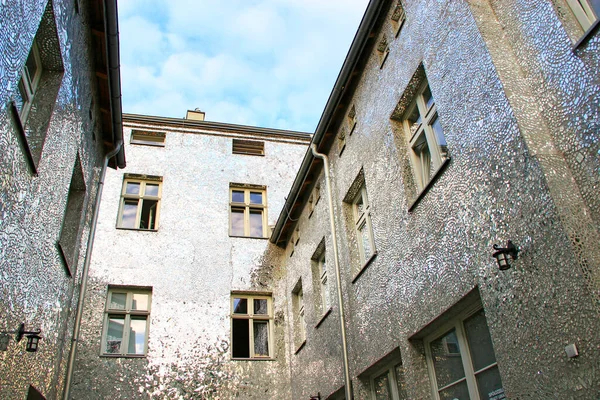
column 248, row 207
column 144, row 138
column 424, row 134
column 140, row 197
column 250, row 316
column 363, row 220
column 29, row 84
column 390, row 370
column 299, row 316
column 457, row 324
column 127, row 313
column 584, row 13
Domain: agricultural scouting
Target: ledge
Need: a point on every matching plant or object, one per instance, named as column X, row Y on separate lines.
column 253, row 359
column 364, row 267
column 248, row 237
column 300, row 347
column 64, row 259
column 435, row 177
column 136, row 229
column 587, row 35
column 323, row 317
column 123, row 355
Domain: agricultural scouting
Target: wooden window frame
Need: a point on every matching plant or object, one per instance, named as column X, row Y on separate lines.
column 584, row 13
column 248, row 147
column 140, row 197
column 398, row 18
column 389, row 370
column 127, row 313
column 363, row 221
column 250, row 316
column 424, row 134
column 28, row 84
column 314, row 198
column 156, row 139
column 299, row 316
column 248, row 208
column 456, row 323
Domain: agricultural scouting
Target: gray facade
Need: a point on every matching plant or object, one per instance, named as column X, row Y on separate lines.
column 54, row 108
column 191, row 264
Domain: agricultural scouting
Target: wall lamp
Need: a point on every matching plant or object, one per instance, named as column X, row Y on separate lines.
column 317, row 397
column 503, row 253
column 33, row 338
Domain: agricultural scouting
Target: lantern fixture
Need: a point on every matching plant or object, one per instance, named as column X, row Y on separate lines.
column 502, row 255
column 33, row 338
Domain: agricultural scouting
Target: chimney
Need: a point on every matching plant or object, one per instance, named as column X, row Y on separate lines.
column 195, row 115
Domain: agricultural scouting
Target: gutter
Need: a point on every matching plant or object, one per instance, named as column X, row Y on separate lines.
column 356, row 49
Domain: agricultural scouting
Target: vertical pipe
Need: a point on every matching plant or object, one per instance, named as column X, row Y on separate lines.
column 336, row 260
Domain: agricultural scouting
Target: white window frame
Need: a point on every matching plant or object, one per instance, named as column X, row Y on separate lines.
column 248, row 208
column 390, row 370
column 423, row 133
column 584, row 13
column 362, row 220
column 322, row 269
column 140, row 197
column 250, row 316
column 127, row 313
column 29, row 83
column 457, row 324
column 300, row 321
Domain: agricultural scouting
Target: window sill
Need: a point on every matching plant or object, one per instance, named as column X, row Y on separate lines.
column 137, row 230
column 148, row 144
column 430, row 184
column 253, row 359
column 323, row 317
column 123, row 355
column 248, row 237
column 23, row 138
column 587, row 35
column 63, row 258
column 300, row 347
column 364, row 267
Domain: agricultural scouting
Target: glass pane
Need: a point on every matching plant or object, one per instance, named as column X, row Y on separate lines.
column 447, row 361
column 261, row 338
column 240, row 337
column 324, row 293
column 151, row 190
column 460, row 391
column 382, row 387
column 423, row 154
column 399, row 371
column 237, row 222
column 480, row 342
column 132, row 188
column 31, row 65
column 117, row 301
column 148, row 217
column 414, row 120
column 261, row 307
column 256, row 198
column 360, row 207
column 240, row 306
column 237, row 196
column 441, row 139
column 114, row 334
column 490, row 384
column 129, row 214
column 140, row 301
column 137, row 336
column 366, row 240
column 23, row 92
column 256, row 223
column 428, row 97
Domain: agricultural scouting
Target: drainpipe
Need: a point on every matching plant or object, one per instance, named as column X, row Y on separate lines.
column 336, row 261
column 84, row 275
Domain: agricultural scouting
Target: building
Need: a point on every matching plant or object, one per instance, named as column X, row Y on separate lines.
column 455, row 128
column 60, row 125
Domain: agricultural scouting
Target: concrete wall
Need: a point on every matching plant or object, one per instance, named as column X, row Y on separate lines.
column 35, row 287
column 519, row 109
column 192, row 265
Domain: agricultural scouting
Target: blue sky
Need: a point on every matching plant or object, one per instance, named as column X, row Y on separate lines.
column 268, row 63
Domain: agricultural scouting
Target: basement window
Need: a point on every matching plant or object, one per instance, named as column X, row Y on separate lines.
column 148, row 138
column 248, row 147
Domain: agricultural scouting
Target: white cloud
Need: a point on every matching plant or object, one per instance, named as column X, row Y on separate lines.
column 264, row 62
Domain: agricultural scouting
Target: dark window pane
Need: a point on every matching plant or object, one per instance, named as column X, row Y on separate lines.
column 117, row 301
column 151, row 190
column 240, row 337
column 114, row 334
column 428, row 97
column 260, row 307
column 237, row 196
column 256, row 223
column 132, row 188
column 31, row 65
column 129, row 214
column 399, row 370
column 414, row 120
column 255, row 198
column 459, row 391
column 261, row 338
column 382, row 387
column 447, row 361
column 480, row 342
column 490, row 384
column 237, row 222
column 596, row 7
column 148, row 217
column 240, row 306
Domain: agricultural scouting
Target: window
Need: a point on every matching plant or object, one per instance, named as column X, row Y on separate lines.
column 427, row 144
column 351, row 120
column 314, row 198
column 388, row 384
column 30, row 79
column 248, row 205
column 251, row 326
column 68, row 242
column 140, row 202
column 383, row 50
column 362, row 226
column 341, row 140
column 248, row 147
column 586, row 11
column 298, row 312
column 148, row 138
column 126, row 322
column 319, row 271
column 398, row 18
column 461, row 360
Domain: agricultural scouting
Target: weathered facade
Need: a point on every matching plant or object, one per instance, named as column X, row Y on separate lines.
column 190, row 260
column 59, row 118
